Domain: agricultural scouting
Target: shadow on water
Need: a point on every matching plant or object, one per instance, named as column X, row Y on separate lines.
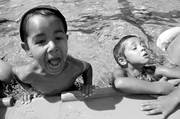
column 89, row 23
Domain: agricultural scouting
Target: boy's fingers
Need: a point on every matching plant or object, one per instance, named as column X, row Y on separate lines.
column 174, row 81
column 147, row 103
column 148, row 107
column 153, row 112
column 163, row 79
column 24, row 99
column 27, row 99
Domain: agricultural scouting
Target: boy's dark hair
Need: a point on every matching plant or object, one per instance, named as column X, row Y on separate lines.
column 42, row 10
column 118, row 50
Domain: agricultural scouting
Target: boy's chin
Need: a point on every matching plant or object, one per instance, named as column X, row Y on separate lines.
column 54, row 71
column 146, row 62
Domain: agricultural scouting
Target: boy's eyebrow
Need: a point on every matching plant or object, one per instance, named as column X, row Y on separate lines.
column 37, row 36
column 132, row 43
column 59, row 31
column 40, row 35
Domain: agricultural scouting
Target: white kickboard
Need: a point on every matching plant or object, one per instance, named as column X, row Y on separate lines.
column 106, row 103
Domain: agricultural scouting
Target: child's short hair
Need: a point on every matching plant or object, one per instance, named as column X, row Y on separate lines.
column 119, row 48
column 45, row 10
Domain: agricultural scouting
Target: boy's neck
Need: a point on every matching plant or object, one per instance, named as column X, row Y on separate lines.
column 38, row 70
column 134, row 70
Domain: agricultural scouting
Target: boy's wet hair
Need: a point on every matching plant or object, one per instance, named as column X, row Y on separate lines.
column 45, row 10
column 118, row 50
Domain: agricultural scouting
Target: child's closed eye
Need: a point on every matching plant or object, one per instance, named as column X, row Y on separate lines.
column 40, row 42
column 143, row 44
column 134, row 48
column 58, row 38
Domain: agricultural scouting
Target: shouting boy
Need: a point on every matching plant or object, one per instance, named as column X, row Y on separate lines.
column 43, row 32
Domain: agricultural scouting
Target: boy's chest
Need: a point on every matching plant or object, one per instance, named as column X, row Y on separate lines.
column 63, row 82
column 147, row 74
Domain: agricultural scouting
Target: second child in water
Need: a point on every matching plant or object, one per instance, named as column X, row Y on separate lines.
column 135, row 76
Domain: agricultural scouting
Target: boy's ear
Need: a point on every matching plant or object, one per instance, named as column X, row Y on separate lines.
column 67, row 36
column 24, row 46
column 26, row 49
column 122, row 61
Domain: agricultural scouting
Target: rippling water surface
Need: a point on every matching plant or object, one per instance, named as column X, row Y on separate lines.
column 92, row 25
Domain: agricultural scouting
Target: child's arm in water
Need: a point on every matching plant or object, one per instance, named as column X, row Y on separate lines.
column 87, row 77
column 131, row 85
column 170, row 72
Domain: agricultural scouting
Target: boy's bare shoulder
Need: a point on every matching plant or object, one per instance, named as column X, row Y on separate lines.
column 25, row 72
column 76, row 62
column 6, row 72
column 118, row 72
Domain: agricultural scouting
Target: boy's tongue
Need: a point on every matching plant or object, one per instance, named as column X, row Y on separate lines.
column 54, row 62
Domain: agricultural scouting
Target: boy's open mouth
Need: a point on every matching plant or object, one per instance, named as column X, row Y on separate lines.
column 54, row 65
column 55, row 62
column 145, row 54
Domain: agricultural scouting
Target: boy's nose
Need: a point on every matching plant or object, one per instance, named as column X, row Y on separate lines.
column 52, row 46
column 142, row 48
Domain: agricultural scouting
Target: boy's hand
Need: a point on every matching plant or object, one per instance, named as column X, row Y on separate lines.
column 165, row 87
column 163, row 79
column 27, row 98
column 164, row 105
column 87, row 90
column 174, row 82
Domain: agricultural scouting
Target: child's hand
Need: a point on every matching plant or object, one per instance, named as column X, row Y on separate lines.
column 27, row 98
column 87, row 90
column 174, row 82
column 163, row 79
column 164, row 105
column 165, row 87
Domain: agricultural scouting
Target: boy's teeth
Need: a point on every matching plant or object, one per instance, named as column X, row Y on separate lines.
column 54, row 62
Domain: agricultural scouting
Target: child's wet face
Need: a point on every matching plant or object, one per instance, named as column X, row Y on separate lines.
column 47, row 42
column 136, row 51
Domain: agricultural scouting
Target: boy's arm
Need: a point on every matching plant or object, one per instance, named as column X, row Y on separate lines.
column 170, row 72
column 137, row 86
column 118, row 72
column 133, row 85
column 175, row 95
column 87, row 73
column 6, row 72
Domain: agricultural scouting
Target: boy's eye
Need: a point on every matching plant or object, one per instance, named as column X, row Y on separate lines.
column 58, row 38
column 134, row 48
column 142, row 44
column 40, row 41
